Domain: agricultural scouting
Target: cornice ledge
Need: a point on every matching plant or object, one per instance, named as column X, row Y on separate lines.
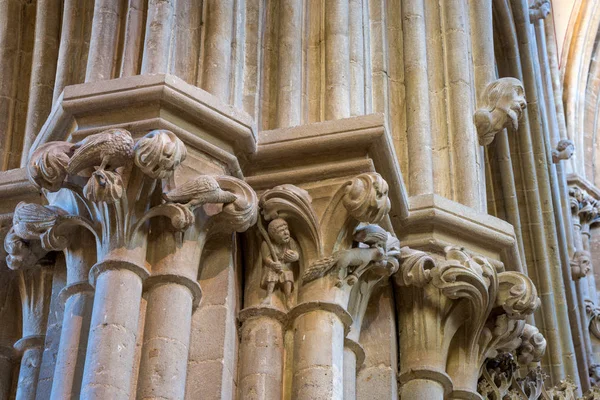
column 145, row 102
column 582, row 183
column 435, row 222
column 327, row 150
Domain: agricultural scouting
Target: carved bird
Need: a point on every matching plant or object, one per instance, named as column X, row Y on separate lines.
column 202, row 190
column 112, row 148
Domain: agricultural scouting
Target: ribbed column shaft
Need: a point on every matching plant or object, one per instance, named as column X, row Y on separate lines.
column 43, row 70
column 157, row 44
column 420, row 166
column 216, row 67
column 165, row 350
column 103, row 43
column 337, row 61
column 289, row 83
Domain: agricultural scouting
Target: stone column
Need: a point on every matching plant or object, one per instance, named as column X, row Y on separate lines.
column 68, row 373
column 261, row 352
column 354, row 356
column 78, row 298
column 31, row 349
column 6, row 370
column 318, row 371
column 113, row 329
column 104, row 38
column 173, row 291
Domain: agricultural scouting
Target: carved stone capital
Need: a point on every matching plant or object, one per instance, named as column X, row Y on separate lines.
column 488, row 315
column 501, row 106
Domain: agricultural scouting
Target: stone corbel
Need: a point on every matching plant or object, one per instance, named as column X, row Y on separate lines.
column 502, row 104
column 477, row 311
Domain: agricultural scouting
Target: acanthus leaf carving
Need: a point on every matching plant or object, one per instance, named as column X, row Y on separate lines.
column 415, row 268
column 502, row 105
column 366, row 198
column 159, row 153
column 47, row 167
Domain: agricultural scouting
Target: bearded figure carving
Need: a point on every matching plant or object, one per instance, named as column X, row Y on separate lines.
column 503, row 102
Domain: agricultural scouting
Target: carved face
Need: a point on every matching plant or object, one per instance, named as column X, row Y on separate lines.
column 279, row 231
column 567, row 152
column 512, row 103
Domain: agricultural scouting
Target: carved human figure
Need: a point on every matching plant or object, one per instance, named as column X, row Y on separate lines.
column 503, row 102
column 279, row 252
column 564, row 150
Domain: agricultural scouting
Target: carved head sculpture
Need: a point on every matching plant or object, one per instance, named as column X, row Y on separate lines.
column 279, row 231
column 533, row 345
column 503, row 102
column 580, row 264
column 539, row 10
column 564, row 150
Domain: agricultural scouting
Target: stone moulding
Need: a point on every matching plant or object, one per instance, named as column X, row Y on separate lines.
column 202, row 121
column 328, row 150
column 435, row 222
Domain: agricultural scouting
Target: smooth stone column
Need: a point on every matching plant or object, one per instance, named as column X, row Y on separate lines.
column 349, row 374
column 423, row 389
column 261, row 353
column 319, row 331
column 163, row 368
column 113, row 330
column 31, row 348
column 73, row 340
